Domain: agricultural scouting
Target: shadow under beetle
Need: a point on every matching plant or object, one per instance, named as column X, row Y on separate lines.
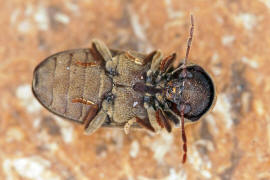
column 99, row 87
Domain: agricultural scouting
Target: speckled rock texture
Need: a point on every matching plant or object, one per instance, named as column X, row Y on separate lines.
column 231, row 41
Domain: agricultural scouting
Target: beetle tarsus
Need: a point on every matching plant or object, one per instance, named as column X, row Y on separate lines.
column 86, row 64
column 145, row 123
column 128, row 125
column 82, row 101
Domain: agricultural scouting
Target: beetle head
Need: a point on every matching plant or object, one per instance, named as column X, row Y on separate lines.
column 192, row 90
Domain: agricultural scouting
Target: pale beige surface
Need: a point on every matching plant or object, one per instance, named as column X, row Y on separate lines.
column 231, row 41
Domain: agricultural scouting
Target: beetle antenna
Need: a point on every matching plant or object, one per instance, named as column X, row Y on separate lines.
column 184, row 138
column 189, row 39
column 188, row 46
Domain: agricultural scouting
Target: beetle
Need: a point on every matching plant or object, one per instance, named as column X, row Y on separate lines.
column 102, row 87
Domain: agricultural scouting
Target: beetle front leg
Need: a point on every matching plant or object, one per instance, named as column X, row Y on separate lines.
column 166, row 62
column 164, row 66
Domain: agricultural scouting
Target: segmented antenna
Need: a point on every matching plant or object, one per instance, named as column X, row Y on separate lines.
column 183, row 66
column 189, row 39
column 184, row 75
column 184, row 138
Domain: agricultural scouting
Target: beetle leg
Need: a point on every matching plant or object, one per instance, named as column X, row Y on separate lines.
column 153, row 119
column 164, row 120
column 97, row 57
column 96, row 123
column 84, row 64
column 102, row 49
column 145, row 123
column 157, row 56
column 83, row 101
column 92, row 112
column 166, row 62
column 150, row 56
column 139, row 61
column 172, row 116
column 159, row 121
column 129, row 124
column 134, row 59
column 105, row 112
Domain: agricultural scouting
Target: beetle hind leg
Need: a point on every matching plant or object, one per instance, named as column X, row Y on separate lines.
column 95, row 123
column 128, row 125
column 101, row 51
column 100, row 54
column 82, row 101
column 86, row 64
column 95, row 116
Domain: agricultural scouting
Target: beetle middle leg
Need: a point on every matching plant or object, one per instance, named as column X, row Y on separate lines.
column 153, row 118
column 162, row 119
column 145, row 123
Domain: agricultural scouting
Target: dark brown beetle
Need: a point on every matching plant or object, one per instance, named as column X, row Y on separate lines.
column 112, row 88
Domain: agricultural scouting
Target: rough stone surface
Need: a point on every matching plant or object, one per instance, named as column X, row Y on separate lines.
column 231, row 41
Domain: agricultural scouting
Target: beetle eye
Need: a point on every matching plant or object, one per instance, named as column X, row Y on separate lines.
column 185, row 74
column 186, row 107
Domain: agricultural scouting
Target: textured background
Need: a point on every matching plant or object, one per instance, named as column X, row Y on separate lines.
column 231, row 41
